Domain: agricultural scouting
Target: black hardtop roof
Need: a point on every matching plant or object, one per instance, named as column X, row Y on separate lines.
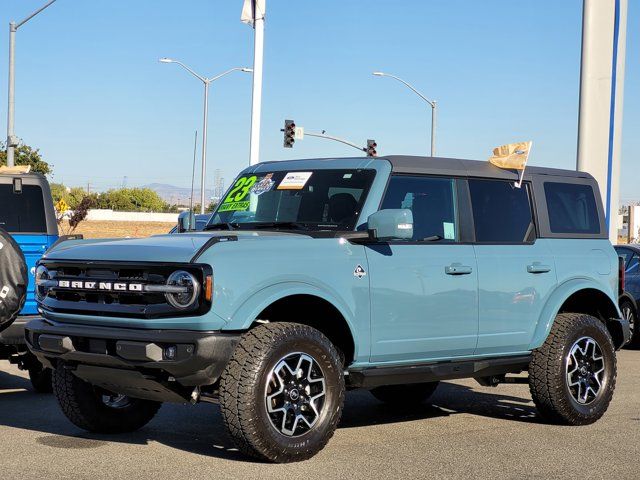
column 450, row 166
column 470, row 168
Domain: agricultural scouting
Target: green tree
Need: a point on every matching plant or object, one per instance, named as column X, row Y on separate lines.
column 132, row 200
column 58, row 192
column 26, row 155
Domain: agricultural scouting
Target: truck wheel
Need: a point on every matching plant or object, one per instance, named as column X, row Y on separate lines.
column 282, row 393
column 629, row 314
column 97, row 410
column 40, row 379
column 572, row 376
column 410, row 394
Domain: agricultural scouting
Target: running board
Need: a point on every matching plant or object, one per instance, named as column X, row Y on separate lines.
column 370, row 377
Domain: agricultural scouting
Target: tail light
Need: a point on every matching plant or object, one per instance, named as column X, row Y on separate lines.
column 621, row 275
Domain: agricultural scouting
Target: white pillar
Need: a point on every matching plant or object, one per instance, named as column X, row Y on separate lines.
column 256, row 101
column 604, row 27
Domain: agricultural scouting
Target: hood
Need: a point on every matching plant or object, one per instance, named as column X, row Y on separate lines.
column 175, row 248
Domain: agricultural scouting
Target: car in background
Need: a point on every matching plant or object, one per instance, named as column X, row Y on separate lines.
column 27, row 214
column 630, row 298
column 201, row 221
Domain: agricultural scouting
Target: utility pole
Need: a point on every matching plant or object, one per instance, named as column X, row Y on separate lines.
column 12, row 140
column 253, row 13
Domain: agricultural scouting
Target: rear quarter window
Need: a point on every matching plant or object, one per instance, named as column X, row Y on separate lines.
column 22, row 212
column 571, row 208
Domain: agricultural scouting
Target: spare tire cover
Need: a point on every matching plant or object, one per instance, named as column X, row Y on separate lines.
column 14, row 279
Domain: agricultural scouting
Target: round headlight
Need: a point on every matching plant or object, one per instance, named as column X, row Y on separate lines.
column 42, row 275
column 190, row 289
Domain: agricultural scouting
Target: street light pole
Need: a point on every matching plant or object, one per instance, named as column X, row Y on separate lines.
column 205, row 120
column 432, row 103
column 12, row 141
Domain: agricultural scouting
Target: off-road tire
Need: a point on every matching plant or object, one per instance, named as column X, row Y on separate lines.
column 548, row 371
column 634, row 341
column 82, row 404
column 244, row 386
column 409, row 394
column 41, row 379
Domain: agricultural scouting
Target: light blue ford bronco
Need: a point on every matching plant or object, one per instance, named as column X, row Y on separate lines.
column 318, row 276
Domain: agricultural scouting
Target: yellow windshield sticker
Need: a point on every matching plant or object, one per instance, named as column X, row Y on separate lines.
column 237, row 199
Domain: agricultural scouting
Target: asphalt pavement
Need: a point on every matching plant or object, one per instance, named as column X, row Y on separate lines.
column 467, row 431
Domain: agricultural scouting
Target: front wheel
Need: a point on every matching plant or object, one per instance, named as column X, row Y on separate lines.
column 572, row 376
column 281, row 395
column 40, row 379
column 97, row 410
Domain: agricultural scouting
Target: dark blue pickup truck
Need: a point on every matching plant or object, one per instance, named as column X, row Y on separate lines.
column 27, row 213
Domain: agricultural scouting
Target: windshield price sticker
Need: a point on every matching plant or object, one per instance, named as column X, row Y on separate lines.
column 235, row 200
column 295, row 181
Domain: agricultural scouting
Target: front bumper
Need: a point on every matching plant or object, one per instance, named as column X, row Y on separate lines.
column 134, row 362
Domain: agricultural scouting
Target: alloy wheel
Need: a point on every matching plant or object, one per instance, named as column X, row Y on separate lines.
column 295, row 394
column 585, row 370
column 628, row 315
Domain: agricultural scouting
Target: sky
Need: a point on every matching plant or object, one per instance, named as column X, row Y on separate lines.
column 92, row 96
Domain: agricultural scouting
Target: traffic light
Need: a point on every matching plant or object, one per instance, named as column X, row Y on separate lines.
column 371, row 148
column 289, row 133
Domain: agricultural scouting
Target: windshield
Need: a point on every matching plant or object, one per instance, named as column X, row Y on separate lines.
column 309, row 200
column 22, row 212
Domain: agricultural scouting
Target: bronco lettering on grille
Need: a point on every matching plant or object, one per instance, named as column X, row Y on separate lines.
column 102, row 286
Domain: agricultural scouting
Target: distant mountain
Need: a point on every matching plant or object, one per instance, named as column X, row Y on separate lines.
column 178, row 195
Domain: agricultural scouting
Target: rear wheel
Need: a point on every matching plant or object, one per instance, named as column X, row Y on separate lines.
column 97, row 410
column 281, row 395
column 572, row 376
column 630, row 315
column 410, row 394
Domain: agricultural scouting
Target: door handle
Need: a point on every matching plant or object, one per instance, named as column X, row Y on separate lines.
column 537, row 267
column 457, row 269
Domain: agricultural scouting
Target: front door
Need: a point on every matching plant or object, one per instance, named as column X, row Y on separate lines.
column 424, row 302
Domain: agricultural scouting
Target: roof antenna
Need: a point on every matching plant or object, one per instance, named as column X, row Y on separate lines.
column 512, row 156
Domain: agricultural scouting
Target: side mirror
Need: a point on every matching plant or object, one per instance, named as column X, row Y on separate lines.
column 391, row 224
column 186, row 222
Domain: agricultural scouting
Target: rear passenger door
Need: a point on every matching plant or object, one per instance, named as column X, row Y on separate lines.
column 424, row 300
column 516, row 271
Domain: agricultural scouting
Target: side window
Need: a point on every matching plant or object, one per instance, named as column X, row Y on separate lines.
column 633, row 267
column 625, row 253
column 501, row 211
column 572, row 208
column 432, row 202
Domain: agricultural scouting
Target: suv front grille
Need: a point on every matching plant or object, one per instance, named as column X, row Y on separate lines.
column 107, row 289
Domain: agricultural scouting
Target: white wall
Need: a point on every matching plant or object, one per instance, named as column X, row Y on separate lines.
column 110, row 215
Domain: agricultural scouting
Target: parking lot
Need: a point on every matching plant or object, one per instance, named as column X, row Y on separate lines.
column 469, row 431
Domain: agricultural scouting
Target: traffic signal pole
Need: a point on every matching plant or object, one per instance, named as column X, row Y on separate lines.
column 336, row 139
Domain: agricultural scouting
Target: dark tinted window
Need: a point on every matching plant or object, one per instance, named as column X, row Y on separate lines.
column 625, row 253
column 22, row 212
column 633, row 267
column 572, row 208
column 432, row 202
column 501, row 211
